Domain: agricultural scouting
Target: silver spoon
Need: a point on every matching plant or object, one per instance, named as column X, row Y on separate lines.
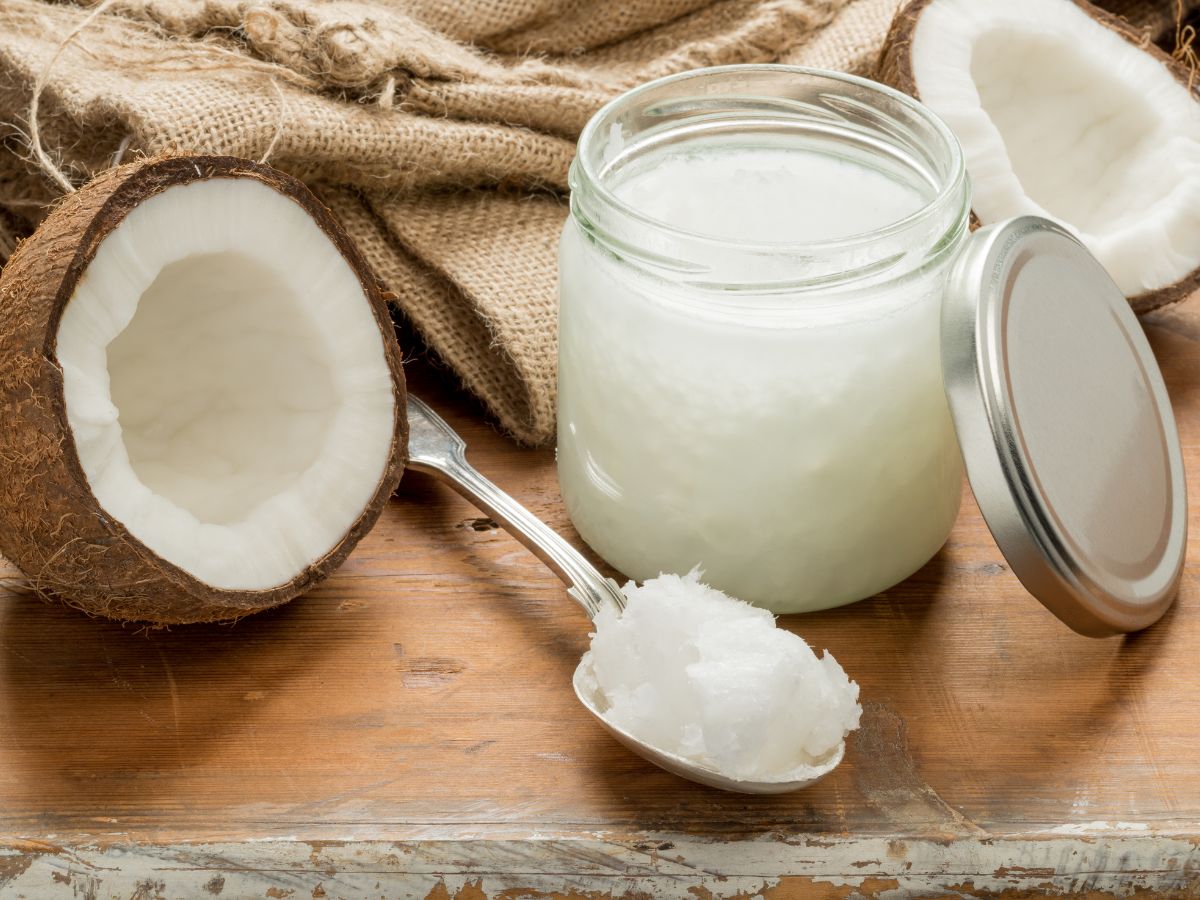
column 436, row 449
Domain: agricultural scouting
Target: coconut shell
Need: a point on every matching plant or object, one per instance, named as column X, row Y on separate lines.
column 895, row 69
column 51, row 526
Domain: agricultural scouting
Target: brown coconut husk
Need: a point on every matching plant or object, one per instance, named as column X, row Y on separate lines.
column 51, row 526
column 895, row 69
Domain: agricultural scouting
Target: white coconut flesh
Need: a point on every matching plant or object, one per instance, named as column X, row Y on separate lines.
column 226, row 383
column 1060, row 116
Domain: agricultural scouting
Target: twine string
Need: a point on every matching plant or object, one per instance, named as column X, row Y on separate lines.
column 1185, row 44
column 35, row 137
column 279, row 123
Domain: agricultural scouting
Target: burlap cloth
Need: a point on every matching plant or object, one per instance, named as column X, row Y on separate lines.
column 440, row 131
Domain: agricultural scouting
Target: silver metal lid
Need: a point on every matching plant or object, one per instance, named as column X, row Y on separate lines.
column 1065, row 427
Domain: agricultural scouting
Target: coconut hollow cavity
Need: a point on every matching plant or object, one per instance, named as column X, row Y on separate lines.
column 204, row 402
column 1063, row 113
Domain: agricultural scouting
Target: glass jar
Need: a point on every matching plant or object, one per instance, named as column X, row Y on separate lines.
column 749, row 370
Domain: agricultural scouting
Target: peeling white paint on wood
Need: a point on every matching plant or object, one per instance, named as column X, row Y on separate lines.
column 667, row 866
column 1099, row 827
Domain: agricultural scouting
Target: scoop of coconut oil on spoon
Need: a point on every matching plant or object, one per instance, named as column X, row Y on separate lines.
column 436, row 449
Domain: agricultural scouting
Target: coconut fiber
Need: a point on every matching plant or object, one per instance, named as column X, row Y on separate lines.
column 439, row 131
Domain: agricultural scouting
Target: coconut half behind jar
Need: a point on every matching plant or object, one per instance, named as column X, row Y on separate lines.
column 203, row 400
column 1063, row 111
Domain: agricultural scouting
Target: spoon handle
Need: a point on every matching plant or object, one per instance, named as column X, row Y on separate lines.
column 436, row 449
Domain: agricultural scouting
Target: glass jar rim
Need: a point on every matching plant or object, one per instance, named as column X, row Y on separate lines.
column 585, row 175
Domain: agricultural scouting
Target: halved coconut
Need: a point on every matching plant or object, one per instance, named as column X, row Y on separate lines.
column 204, row 407
column 1064, row 112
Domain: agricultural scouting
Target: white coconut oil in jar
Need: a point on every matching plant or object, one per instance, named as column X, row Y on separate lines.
column 749, row 363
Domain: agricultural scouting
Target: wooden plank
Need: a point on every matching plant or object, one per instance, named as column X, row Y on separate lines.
column 419, row 706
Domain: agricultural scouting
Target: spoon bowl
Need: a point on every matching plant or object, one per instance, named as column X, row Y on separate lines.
column 436, row 449
column 591, row 697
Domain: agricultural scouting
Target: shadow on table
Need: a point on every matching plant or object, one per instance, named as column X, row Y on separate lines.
column 90, row 706
column 520, row 586
column 998, row 711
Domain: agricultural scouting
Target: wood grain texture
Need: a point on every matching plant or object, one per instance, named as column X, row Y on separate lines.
column 408, row 729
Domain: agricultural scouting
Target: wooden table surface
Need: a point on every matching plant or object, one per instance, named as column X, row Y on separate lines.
column 409, row 729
